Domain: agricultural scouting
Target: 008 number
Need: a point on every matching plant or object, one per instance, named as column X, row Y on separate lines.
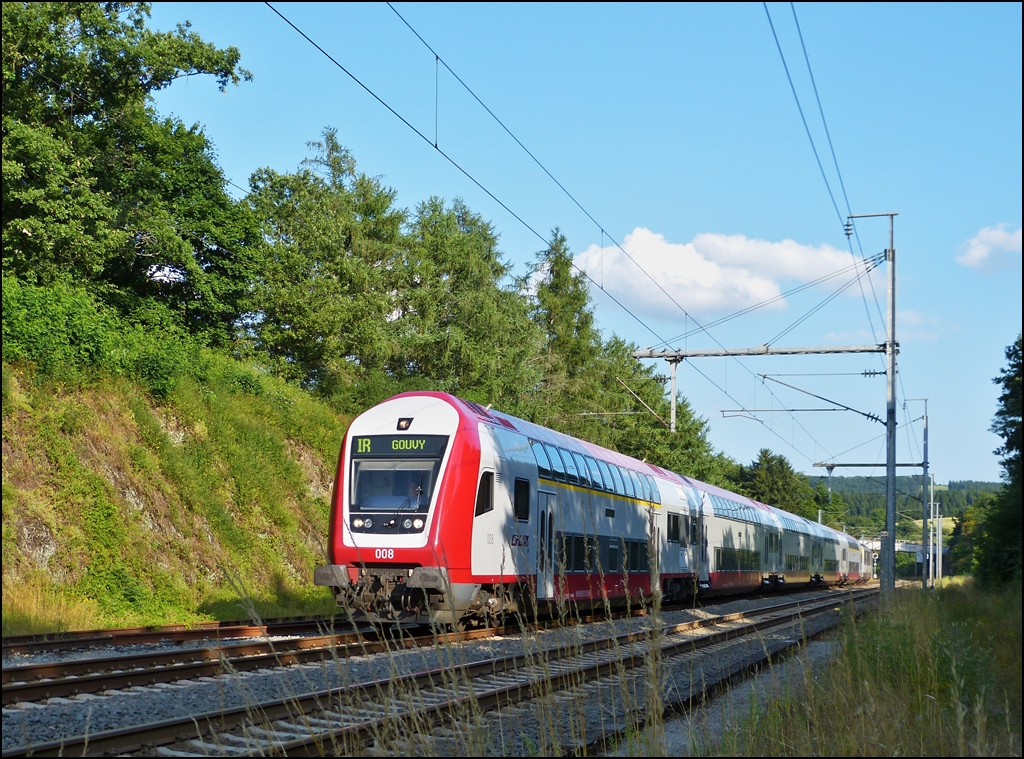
column 384, row 553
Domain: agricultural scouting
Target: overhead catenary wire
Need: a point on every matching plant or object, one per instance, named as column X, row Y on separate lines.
column 657, row 284
column 451, row 160
column 544, row 240
column 839, row 173
column 817, row 158
column 869, row 263
column 812, row 311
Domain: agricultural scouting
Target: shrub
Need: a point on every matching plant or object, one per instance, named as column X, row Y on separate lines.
column 64, row 331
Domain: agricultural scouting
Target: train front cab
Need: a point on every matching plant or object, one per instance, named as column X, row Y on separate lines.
column 395, row 554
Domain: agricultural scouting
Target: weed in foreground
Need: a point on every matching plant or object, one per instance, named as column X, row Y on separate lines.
column 933, row 674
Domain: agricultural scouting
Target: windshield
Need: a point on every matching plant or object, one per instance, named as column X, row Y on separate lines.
column 393, row 485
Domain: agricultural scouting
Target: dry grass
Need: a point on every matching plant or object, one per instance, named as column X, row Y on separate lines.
column 932, row 674
column 37, row 606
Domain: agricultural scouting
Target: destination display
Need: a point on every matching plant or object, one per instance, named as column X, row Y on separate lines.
column 404, row 446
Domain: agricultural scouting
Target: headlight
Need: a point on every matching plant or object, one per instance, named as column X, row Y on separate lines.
column 357, row 523
column 368, row 523
column 407, row 523
column 418, row 524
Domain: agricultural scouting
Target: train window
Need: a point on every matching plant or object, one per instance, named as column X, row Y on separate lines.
column 557, row 468
column 581, row 467
column 606, row 473
column 570, row 467
column 640, row 486
column 631, row 483
column 627, row 482
column 485, row 494
column 616, row 479
column 614, row 563
column 563, row 552
column 593, row 560
column 655, row 493
column 673, row 528
column 543, row 467
column 393, row 485
column 638, row 489
column 579, row 554
column 595, row 474
column 521, row 498
column 645, row 486
column 636, row 556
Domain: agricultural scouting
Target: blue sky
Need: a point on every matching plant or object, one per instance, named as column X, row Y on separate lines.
column 674, row 126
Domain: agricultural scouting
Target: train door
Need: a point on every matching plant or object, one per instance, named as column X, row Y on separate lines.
column 704, row 575
column 546, row 505
column 771, row 551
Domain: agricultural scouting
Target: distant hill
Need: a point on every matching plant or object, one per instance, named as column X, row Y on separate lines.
column 866, row 494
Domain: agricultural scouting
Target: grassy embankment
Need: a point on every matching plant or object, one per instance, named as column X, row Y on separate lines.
column 934, row 674
column 122, row 507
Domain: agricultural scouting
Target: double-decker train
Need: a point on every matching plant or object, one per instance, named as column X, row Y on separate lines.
column 447, row 512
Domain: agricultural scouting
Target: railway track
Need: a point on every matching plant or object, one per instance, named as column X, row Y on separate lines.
column 35, row 682
column 39, row 681
column 384, row 714
column 128, row 636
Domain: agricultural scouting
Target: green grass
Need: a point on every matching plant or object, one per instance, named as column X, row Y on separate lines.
column 125, row 508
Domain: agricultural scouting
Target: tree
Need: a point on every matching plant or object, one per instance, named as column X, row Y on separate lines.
column 563, row 310
column 998, row 547
column 772, row 480
column 458, row 324
column 323, row 293
column 96, row 187
column 967, row 528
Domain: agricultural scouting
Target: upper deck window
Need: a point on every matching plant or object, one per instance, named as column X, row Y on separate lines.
column 606, row 473
column 627, row 482
column 570, row 467
column 543, row 466
column 581, row 467
column 655, row 493
column 557, row 467
column 595, row 474
column 617, row 479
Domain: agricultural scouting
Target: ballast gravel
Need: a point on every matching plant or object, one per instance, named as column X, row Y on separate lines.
column 603, row 710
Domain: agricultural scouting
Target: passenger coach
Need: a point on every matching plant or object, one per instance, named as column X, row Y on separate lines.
column 445, row 511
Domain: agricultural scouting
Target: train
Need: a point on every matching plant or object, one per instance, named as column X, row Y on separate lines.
column 450, row 513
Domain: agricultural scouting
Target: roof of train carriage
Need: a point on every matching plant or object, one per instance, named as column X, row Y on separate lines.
column 533, row 431
column 762, row 513
column 470, row 409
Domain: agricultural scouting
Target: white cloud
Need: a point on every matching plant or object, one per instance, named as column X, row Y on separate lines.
column 713, row 274
column 992, row 248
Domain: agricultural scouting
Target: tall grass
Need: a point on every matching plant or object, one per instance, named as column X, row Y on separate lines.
column 931, row 674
